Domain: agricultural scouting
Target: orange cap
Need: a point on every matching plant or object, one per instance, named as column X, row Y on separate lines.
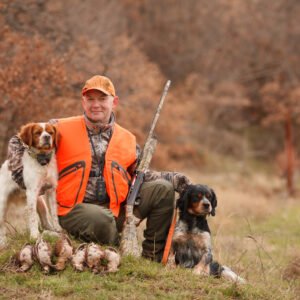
column 100, row 83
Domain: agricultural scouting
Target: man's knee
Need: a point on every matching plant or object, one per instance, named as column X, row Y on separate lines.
column 103, row 226
column 91, row 223
column 166, row 191
column 156, row 194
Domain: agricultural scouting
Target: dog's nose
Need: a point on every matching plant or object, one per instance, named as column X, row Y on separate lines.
column 46, row 138
column 206, row 205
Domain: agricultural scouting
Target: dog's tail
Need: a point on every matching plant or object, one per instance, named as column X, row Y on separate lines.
column 218, row 270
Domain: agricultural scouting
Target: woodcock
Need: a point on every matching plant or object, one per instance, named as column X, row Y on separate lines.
column 63, row 251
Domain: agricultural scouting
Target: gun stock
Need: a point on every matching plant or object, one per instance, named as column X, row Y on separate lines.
column 129, row 241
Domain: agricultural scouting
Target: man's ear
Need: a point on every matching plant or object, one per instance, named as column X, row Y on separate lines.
column 83, row 102
column 214, row 202
column 115, row 101
column 25, row 134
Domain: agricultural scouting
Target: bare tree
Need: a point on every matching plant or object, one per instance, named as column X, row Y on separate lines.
column 282, row 105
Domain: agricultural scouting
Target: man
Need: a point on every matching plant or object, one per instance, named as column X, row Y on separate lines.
column 96, row 158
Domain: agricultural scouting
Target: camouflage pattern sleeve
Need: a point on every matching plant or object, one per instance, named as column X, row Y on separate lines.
column 14, row 156
column 53, row 121
column 178, row 180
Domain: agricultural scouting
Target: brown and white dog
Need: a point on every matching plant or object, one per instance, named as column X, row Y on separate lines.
column 36, row 144
column 191, row 243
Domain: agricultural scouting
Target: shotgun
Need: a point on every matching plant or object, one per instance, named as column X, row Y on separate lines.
column 129, row 242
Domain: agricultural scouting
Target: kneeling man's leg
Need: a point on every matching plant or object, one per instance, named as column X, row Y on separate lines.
column 157, row 202
column 91, row 223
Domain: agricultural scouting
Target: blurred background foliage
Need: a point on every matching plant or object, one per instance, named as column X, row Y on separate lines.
column 234, row 66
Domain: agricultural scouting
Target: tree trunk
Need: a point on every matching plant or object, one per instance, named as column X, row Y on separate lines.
column 289, row 149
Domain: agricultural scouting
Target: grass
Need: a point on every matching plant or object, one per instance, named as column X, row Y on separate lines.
column 256, row 233
column 262, row 250
column 137, row 279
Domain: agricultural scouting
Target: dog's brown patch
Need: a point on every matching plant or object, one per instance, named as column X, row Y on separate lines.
column 31, row 132
column 197, row 208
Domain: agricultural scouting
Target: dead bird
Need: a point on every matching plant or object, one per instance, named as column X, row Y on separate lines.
column 63, row 250
column 94, row 254
column 79, row 257
column 43, row 253
column 113, row 259
column 25, row 258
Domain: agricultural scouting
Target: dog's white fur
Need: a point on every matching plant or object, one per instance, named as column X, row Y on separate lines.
column 35, row 178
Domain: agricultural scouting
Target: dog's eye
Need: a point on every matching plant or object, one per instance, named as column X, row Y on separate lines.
column 208, row 196
column 200, row 196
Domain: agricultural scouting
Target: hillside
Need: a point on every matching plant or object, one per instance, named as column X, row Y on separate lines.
column 222, row 98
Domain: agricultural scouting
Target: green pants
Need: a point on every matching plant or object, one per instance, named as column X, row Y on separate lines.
column 90, row 222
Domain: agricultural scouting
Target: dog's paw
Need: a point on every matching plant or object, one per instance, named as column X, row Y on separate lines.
column 228, row 274
column 200, row 271
column 35, row 234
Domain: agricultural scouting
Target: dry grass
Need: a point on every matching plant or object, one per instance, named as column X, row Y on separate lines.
column 255, row 232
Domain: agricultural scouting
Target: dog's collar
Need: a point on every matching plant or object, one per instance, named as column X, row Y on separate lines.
column 42, row 158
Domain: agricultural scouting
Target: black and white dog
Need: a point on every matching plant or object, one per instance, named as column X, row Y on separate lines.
column 191, row 243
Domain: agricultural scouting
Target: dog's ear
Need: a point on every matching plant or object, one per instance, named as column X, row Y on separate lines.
column 214, row 202
column 25, row 134
column 183, row 201
column 180, row 201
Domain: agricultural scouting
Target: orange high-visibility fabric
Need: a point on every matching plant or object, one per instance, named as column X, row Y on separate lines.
column 74, row 159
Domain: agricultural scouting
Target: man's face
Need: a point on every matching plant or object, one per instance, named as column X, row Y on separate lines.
column 98, row 106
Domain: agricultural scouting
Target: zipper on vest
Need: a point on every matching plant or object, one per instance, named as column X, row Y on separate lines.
column 112, row 166
column 115, row 165
column 70, row 169
column 120, row 168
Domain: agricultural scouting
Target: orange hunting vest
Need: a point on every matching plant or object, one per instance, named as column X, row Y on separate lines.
column 74, row 159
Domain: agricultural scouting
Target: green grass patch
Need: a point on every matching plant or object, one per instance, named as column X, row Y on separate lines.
column 279, row 232
column 262, row 264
